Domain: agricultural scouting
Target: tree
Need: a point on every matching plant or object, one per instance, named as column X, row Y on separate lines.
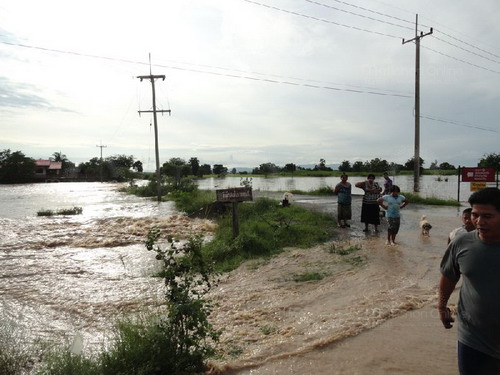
column 60, row 157
column 491, row 160
column 290, row 167
column 322, row 166
column 345, row 166
column 446, row 166
column 357, row 166
column 410, row 164
column 138, row 166
column 176, row 168
column 15, row 167
column 268, row 168
column 195, row 166
column 219, row 170
column 205, row 169
column 377, row 165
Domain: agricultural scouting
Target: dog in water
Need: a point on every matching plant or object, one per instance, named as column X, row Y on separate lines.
column 425, row 226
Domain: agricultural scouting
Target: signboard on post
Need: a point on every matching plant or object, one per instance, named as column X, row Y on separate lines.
column 478, row 174
column 234, row 196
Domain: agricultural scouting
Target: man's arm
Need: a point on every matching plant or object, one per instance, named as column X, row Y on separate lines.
column 446, row 287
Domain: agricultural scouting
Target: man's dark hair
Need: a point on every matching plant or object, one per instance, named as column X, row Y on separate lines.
column 467, row 211
column 371, row 175
column 486, row 196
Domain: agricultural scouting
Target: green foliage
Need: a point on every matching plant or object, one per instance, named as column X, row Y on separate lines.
column 491, row 160
column 265, row 229
column 14, row 355
column 414, row 198
column 15, row 167
column 309, row 276
column 342, row 248
column 177, row 343
column 65, row 211
column 191, row 201
column 187, row 279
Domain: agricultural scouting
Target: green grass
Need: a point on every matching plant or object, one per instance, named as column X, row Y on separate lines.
column 64, row 211
column 414, row 198
column 308, row 276
column 193, row 201
column 265, row 229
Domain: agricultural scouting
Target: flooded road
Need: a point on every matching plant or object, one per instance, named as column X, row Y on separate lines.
column 60, row 276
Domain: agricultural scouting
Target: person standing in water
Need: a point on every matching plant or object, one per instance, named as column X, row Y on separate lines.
column 393, row 203
column 343, row 191
column 467, row 226
column 370, row 212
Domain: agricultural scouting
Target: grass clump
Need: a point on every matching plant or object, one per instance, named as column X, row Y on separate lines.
column 65, row 211
column 265, row 229
column 308, row 276
column 192, row 201
column 414, row 198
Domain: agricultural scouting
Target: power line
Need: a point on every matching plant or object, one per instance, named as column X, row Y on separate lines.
column 452, row 122
column 279, row 80
column 466, row 50
column 462, row 61
column 321, row 19
column 357, row 14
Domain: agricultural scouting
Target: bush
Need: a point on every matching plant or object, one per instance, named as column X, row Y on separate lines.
column 265, row 229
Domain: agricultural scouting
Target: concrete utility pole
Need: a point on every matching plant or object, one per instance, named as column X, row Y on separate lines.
column 416, row 158
column 101, row 146
column 152, row 78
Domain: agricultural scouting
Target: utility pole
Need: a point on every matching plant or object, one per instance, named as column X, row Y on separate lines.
column 101, row 146
column 416, row 158
column 152, row 78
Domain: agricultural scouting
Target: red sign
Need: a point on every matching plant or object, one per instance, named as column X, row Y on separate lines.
column 478, row 174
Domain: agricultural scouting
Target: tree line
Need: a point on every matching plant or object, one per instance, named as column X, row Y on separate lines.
column 16, row 167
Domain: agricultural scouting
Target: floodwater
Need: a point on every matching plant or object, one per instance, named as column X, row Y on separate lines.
column 63, row 275
column 443, row 187
column 60, row 276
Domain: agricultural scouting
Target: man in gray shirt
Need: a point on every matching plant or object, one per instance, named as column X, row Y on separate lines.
column 475, row 256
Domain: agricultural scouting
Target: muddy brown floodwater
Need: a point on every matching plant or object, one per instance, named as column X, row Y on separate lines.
column 371, row 312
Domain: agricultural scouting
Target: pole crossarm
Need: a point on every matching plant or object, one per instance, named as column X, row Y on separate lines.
column 152, row 77
column 157, row 111
column 418, row 37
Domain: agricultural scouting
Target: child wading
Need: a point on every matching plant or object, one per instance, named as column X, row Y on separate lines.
column 392, row 203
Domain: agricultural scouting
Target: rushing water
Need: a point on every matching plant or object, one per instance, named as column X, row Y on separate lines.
column 77, row 274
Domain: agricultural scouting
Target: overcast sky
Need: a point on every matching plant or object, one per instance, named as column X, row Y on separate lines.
column 250, row 82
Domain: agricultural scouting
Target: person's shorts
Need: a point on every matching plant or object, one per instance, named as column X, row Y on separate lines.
column 344, row 212
column 394, row 223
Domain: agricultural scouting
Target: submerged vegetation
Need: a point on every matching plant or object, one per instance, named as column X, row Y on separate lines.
column 64, row 211
column 177, row 342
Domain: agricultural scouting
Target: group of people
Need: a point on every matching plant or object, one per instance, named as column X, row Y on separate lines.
column 473, row 255
column 389, row 198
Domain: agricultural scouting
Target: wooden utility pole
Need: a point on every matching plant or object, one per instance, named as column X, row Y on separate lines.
column 416, row 158
column 152, row 78
column 101, row 146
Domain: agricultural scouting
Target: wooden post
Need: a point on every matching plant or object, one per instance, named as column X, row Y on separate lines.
column 236, row 220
